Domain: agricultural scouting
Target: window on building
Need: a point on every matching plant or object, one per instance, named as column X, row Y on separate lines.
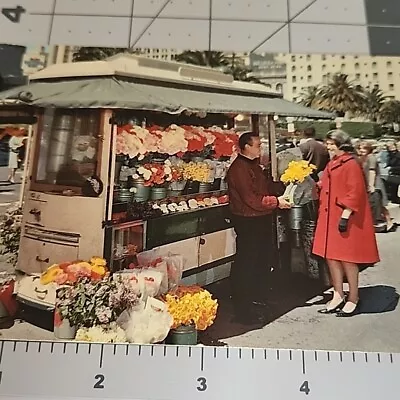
column 357, row 66
column 358, row 76
column 293, row 68
column 389, row 64
column 323, row 67
column 279, row 87
column 323, row 57
column 308, row 58
column 390, row 75
column 391, row 87
column 294, row 89
column 375, row 76
column 343, row 57
column 293, row 58
column 309, row 78
column 343, row 67
column 374, row 65
column 294, row 78
column 309, row 68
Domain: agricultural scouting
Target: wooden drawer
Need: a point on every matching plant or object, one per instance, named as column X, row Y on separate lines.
column 216, row 246
column 35, row 256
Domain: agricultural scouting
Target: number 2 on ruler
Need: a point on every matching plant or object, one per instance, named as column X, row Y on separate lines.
column 13, row 14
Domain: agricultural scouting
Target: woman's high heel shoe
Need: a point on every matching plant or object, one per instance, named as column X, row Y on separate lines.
column 334, row 310
column 343, row 314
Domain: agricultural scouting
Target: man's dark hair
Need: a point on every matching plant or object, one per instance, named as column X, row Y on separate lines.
column 309, row 132
column 246, row 138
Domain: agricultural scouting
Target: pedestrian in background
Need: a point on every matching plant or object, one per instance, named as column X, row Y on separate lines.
column 345, row 234
column 15, row 143
column 314, row 152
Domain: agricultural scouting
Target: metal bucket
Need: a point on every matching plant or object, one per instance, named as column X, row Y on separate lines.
column 124, row 195
column 205, row 187
column 183, row 335
column 141, row 193
column 158, row 193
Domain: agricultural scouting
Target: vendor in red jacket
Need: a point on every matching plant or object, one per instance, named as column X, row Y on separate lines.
column 345, row 234
column 251, row 205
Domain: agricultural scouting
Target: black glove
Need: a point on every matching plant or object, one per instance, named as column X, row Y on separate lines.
column 343, row 225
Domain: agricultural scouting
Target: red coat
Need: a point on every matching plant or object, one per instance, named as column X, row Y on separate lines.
column 343, row 186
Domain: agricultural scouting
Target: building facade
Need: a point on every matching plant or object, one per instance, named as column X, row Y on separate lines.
column 305, row 70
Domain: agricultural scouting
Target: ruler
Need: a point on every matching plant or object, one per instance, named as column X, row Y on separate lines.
column 71, row 370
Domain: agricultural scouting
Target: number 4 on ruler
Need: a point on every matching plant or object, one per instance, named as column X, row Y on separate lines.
column 13, row 14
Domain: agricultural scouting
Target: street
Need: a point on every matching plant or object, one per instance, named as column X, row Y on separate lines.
column 294, row 321
column 8, row 193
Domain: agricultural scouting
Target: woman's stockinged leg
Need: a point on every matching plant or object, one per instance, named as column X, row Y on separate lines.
column 351, row 271
column 337, row 274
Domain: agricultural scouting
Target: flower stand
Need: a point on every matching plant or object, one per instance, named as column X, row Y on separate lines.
column 205, row 187
column 183, row 335
column 62, row 327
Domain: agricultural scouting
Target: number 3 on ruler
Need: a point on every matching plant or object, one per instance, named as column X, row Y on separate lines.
column 305, row 388
column 202, row 384
column 13, row 14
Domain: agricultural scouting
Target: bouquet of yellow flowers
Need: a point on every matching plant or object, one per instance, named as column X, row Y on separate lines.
column 196, row 171
column 191, row 305
column 297, row 172
column 300, row 185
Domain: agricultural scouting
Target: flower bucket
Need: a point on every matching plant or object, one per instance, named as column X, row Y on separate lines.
column 205, row 187
column 141, row 193
column 158, row 193
column 183, row 335
column 224, row 185
column 62, row 327
column 124, row 195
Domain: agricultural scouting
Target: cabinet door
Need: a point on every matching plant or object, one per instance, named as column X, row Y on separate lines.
column 216, row 246
column 188, row 249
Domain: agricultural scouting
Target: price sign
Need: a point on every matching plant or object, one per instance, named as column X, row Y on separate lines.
column 297, row 26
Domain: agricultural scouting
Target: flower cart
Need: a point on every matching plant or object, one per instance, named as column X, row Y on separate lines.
column 129, row 156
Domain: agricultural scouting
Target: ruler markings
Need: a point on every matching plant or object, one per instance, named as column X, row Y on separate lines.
column 52, row 347
column 303, row 362
column 202, row 359
column 240, row 353
column 39, row 347
column 379, row 358
column 215, row 352
column 189, row 351
column 1, row 351
column 354, row 357
column 139, row 350
column 341, row 356
column 391, row 358
column 328, row 355
column 177, row 351
column 227, row 353
column 115, row 349
column 252, row 354
column 90, row 348
column 64, row 347
column 26, row 347
column 366, row 357
column 165, row 351
column 315, row 356
column 277, row 355
column 127, row 349
column 101, row 355
column 290, row 355
column 265, row 354
column 152, row 350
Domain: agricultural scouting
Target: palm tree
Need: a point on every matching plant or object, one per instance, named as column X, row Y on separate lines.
column 212, row 59
column 310, row 97
column 98, row 53
column 390, row 112
column 342, row 96
column 374, row 100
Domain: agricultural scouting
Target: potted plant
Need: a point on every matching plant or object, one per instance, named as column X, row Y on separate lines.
column 90, row 303
column 192, row 309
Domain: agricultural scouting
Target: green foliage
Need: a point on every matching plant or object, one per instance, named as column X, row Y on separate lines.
column 354, row 129
column 10, row 233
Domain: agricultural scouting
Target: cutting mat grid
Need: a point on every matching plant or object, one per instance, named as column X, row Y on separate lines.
column 289, row 26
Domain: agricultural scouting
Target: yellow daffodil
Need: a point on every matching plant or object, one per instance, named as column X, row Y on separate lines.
column 50, row 274
column 297, row 172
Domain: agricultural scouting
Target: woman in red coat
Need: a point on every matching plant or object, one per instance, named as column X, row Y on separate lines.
column 345, row 234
